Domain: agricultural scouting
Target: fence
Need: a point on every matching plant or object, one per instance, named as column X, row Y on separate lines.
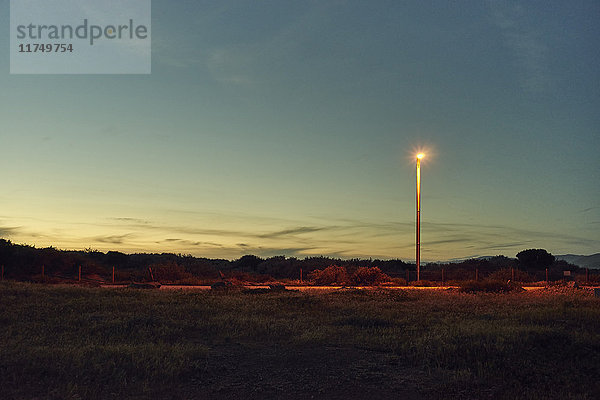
column 437, row 276
column 78, row 275
column 443, row 275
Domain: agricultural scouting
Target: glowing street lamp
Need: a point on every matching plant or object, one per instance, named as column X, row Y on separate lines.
column 418, row 240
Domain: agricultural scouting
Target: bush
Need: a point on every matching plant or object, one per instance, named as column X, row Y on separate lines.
column 329, row 276
column 424, row 282
column 247, row 277
column 505, row 274
column 593, row 278
column 170, row 272
column 400, row 281
column 121, row 276
column 395, row 282
column 195, row 281
column 368, row 276
column 489, row 286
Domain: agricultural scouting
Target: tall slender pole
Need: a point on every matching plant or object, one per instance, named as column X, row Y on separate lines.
column 418, row 255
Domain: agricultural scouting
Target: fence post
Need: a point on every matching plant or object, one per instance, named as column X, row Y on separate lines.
column 587, row 275
column 443, row 276
column 113, row 276
column 80, row 273
column 407, row 276
column 476, row 274
column 512, row 274
column 547, row 281
column 300, row 275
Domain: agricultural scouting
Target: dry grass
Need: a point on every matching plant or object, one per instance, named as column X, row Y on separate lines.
column 66, row 342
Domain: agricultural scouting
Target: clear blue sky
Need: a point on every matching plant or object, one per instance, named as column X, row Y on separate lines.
column 290, row 128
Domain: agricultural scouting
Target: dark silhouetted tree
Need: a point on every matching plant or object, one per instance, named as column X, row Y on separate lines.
column 535, row 259
column 247, row 263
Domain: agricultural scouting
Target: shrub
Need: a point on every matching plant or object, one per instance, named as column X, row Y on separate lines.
column 368, row 276
column 170, row 272
column 247, row 277
column 400, row 281
column 505, row 274
column 195, row 281
column 489, row 286
column 121, row 276
column 395, row 282
column 329, row 276
column 593, row 278
column 424, row 282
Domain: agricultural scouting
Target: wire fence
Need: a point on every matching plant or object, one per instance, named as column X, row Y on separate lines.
column 585, row 276
column 581, row 276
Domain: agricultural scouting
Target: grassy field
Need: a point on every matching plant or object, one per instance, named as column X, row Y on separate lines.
column 84, row 343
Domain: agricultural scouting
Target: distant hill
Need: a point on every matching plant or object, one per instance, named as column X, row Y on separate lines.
column 459, row 260
column 472, row 258
column 591, row 261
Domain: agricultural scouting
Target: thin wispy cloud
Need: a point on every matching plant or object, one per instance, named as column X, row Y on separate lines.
column 131, row 220
column 590, row 209
column 243, row 62
column 526, row 44
column 484, row 237
column 7, row 231
column 507, row 245
column 345, row 238
column 295, row 231
column 230, row 66
column 283, row 233
column 112, row 239
column 501, row 231
column 186, row 242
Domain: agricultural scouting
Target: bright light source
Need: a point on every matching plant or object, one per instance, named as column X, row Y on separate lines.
column 420, row 155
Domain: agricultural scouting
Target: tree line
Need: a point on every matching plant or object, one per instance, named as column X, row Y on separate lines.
column 24, row 262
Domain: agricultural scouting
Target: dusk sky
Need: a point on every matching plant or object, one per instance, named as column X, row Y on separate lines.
column 291, row 128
